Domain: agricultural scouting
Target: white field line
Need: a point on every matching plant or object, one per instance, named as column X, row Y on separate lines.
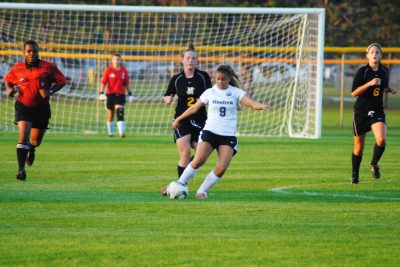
column 283, row 190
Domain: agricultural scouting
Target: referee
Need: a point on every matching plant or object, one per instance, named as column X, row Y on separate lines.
column 34, row 80
column 369, row 85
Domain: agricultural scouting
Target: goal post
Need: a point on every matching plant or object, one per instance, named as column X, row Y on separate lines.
column 277, row 52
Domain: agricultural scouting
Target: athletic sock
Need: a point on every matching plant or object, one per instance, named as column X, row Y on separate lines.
column 180, row 170
column 22, row 152
column 110, row 127
column 356, row 162
column 121, row 127
column 209, row 182
column 378, row 151
column 187, row 174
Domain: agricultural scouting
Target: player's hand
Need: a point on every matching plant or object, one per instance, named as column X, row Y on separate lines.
column 102, row 97
column 375, row 81
column 393, row 91
column 175, row 124
column 168, row 99
column 44, row 93
column 12, row 92
column 130, row 97
column 264, row 107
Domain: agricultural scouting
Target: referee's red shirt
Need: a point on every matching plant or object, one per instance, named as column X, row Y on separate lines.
column 31, row 79
column 115, row 80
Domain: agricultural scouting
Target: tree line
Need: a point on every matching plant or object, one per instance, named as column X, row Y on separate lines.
column 348, row 22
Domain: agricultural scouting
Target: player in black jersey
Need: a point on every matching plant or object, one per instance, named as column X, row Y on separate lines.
column 369, row 85
column 188, row 85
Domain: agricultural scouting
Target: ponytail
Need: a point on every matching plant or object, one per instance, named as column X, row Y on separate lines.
column 189, row 49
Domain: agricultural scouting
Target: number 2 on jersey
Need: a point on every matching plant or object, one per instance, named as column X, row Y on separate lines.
column 190, row 101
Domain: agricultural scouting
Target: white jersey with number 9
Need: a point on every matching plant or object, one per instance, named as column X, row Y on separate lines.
column 222, row 109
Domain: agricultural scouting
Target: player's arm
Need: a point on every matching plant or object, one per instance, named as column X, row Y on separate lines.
column 130, row 96
column 391, row 90
column 11, row 80
column 58, row 82
column 10, row 89
column 170, row 93
column 248, row 102
column 190, row 111
column 361, row 89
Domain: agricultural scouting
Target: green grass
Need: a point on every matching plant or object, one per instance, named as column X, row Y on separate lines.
column 94, row 201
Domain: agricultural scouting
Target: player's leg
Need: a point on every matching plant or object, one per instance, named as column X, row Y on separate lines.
column 379, row 130
column 119, row 106
column 184, row 149
column 36, row 139
column 225, row 154
column 24, row 128
column 110, row 103
column 204, row 149
column 119, row 110
column 356, row 157
column 110, row 122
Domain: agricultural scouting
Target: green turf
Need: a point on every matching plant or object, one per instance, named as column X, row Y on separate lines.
column 94, row 201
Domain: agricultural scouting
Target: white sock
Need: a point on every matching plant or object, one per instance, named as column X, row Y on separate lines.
column 121, row 127
column 110, row 127
column 209, row 182
column 187, row 174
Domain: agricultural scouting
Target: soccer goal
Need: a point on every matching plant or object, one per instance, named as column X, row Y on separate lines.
column 278, row 53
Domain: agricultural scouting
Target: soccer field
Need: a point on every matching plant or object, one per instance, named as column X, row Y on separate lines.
column 95, row 201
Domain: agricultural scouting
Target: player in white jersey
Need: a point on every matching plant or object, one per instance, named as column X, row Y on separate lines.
column 220, row 130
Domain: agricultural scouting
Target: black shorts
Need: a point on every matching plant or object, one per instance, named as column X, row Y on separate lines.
column 115, row 99
column 191, row 127
column 216, row 140
column 38, row 116
column 362, row 121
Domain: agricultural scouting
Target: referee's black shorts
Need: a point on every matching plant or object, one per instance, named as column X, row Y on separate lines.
column 362, row 121
column 115, row 99
column 38, row 116
column 216, row 140
column 191, row 127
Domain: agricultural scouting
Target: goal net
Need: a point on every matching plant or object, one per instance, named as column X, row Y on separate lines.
column 277, row 53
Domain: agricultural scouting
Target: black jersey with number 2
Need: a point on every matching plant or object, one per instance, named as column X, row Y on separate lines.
column 188, row 91
column 372, row 98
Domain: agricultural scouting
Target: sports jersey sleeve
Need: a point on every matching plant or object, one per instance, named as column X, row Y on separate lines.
column 208, row 81
column 104, row 80
column 58, row 77
column 11, row 77
column 241, row 94
column 386, row 81
column 358, row 80
column 205, row 97
column 171, row 90
column 126, row 80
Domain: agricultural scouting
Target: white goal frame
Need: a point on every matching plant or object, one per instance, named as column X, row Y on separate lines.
column 286, row 129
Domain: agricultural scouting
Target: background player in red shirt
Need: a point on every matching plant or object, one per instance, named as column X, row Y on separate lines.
column 35, row 80
column 115, row 81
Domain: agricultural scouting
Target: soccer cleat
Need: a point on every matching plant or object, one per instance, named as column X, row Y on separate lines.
column 30, row 157
column 354, row 180
column 201, row 195
column 164, row 191
column 375, row 171
column 21, row 175
column 110, row 135
column 122, row 135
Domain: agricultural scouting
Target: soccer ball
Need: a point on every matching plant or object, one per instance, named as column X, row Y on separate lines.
column 177, row 190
